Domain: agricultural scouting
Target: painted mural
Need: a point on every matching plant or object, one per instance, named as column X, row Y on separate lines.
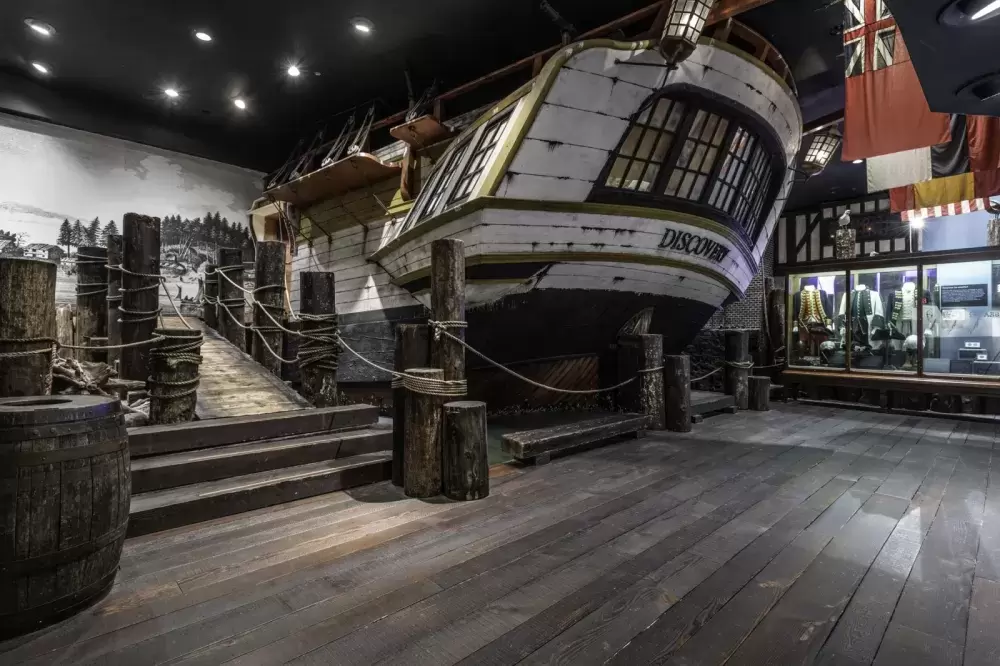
column 61, row 189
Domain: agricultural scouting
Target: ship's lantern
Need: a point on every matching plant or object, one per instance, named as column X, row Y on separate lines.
column 821, row 150
column 684, row 26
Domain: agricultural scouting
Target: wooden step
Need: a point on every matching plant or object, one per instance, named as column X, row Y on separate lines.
column 537, row 446
column 162, row 439
column 708, row 402
column 164, row 509
column 179, row 469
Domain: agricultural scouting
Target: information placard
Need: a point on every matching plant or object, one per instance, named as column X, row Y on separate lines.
column 964, row 295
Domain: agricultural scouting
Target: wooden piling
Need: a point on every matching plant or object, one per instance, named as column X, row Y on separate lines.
column 290, row 350
column 318, row 358
column 759, row 393
column 140, row 304
column 91, row 298
column 776, row 299
column 174, row 376
column 735, row 377
column 27, row 324
column 677, row 377
column 448, row 304
column 114, row 296
column 641, row 356
column 465, row 461
column 422, row 469
column 412, row 351
column 232, row 303
column 270, row 296
column 98, row 355
column 209, row 309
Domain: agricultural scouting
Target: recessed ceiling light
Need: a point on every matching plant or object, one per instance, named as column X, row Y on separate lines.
column 203, row 36
column 40, row 27
column 40, row 68
column 240, row 104
column 293, row 70
column 857, row 161
column 171, row 93
column 988, row 9
column 363, row 25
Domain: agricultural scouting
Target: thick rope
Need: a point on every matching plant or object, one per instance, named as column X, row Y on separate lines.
column 182, row 350
column 425, row 385
column 51, row 346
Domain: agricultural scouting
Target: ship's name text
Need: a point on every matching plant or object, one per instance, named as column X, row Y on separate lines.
column 693, row 244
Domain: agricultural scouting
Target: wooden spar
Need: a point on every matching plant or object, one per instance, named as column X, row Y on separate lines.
column 269, row 294
column 422, row 471
column 27, row 312
column 641, row 356
column 91, row 298
column 210, row 310
column 759, row 393
column 140, row 307
column 735, row 377
column 318, row 358
column 232, row 302
column 448, row 305
column 412, row 351
column 114, row 296
column 173, row 376
column 677, row 375
column 465, row 461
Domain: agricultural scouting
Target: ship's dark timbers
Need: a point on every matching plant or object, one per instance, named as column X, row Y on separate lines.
column 690, row 150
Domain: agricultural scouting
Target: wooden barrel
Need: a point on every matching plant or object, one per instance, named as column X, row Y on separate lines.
column 64, row 503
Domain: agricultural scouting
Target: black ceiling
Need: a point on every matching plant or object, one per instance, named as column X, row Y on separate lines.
column 111, row 59
column 947, row 58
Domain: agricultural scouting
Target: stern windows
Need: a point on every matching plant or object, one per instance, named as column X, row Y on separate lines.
column 480, row 158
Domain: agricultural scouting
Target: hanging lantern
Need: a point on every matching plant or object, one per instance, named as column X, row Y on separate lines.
column 821, row 151
column 685, row 23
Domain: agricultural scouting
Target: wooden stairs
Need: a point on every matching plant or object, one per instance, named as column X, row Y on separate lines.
column 188, row 473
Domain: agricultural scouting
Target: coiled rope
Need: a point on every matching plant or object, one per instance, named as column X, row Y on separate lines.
column 179, row 349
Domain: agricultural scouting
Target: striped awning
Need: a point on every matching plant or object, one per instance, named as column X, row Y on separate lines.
column 960, row 208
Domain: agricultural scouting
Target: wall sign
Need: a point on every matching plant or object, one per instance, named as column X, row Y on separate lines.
column 693, row 244
column 964, row 295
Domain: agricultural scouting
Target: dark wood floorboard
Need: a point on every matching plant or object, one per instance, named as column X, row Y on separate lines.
column 807, row 534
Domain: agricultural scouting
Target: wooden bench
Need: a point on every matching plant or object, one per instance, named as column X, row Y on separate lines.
column 536, row 447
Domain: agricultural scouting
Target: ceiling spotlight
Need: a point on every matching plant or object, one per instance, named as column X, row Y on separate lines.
column 240, row 104
column 363, row 25
column 40, row 68
column 171, row 93
column 40, row 27
column 857, row 162
column 203, row 36
column 986, row 10
column 293, row 70
column 963, row 13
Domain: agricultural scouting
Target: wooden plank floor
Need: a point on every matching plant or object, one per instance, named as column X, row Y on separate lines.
column 802, row 535
column 232, row 383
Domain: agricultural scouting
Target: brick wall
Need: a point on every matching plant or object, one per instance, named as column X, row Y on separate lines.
column 748, row 313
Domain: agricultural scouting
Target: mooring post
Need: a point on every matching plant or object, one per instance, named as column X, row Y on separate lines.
column 114, row 296
column 465, row 462
column 270, row 296
column 290, row 350
column 209, row 309
column 759, row 393
column 641, row 356
column 736, row 372
column 232, row 303
column 27, row 324
column 422, row 469
column 319, row 353
column 776, row 299
column 140, row 306
column 448, row 305
column 174, row 377
column 677, row 375
column 98, row 355
column 91, row 297
column 412, row 351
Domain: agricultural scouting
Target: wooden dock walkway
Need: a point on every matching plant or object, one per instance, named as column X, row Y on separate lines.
column 801, row 535
column 232, row 383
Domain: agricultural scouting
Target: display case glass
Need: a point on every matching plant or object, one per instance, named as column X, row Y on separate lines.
column 814, row 340
column 881, row 313
column 961, row 325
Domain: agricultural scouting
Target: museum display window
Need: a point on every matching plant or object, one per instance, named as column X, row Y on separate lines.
column 881, row 312
column 814, row 340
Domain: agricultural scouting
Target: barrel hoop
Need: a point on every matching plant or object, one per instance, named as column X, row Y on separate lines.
column 30, row 432
column 29, row 619
column 10, row 462
column 17, row 568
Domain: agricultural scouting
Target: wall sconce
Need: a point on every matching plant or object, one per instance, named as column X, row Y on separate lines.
column 821, row 150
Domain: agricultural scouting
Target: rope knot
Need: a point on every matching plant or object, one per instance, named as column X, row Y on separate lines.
column 440, row 327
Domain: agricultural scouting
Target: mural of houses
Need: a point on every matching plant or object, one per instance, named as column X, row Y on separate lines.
column 44, row 251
